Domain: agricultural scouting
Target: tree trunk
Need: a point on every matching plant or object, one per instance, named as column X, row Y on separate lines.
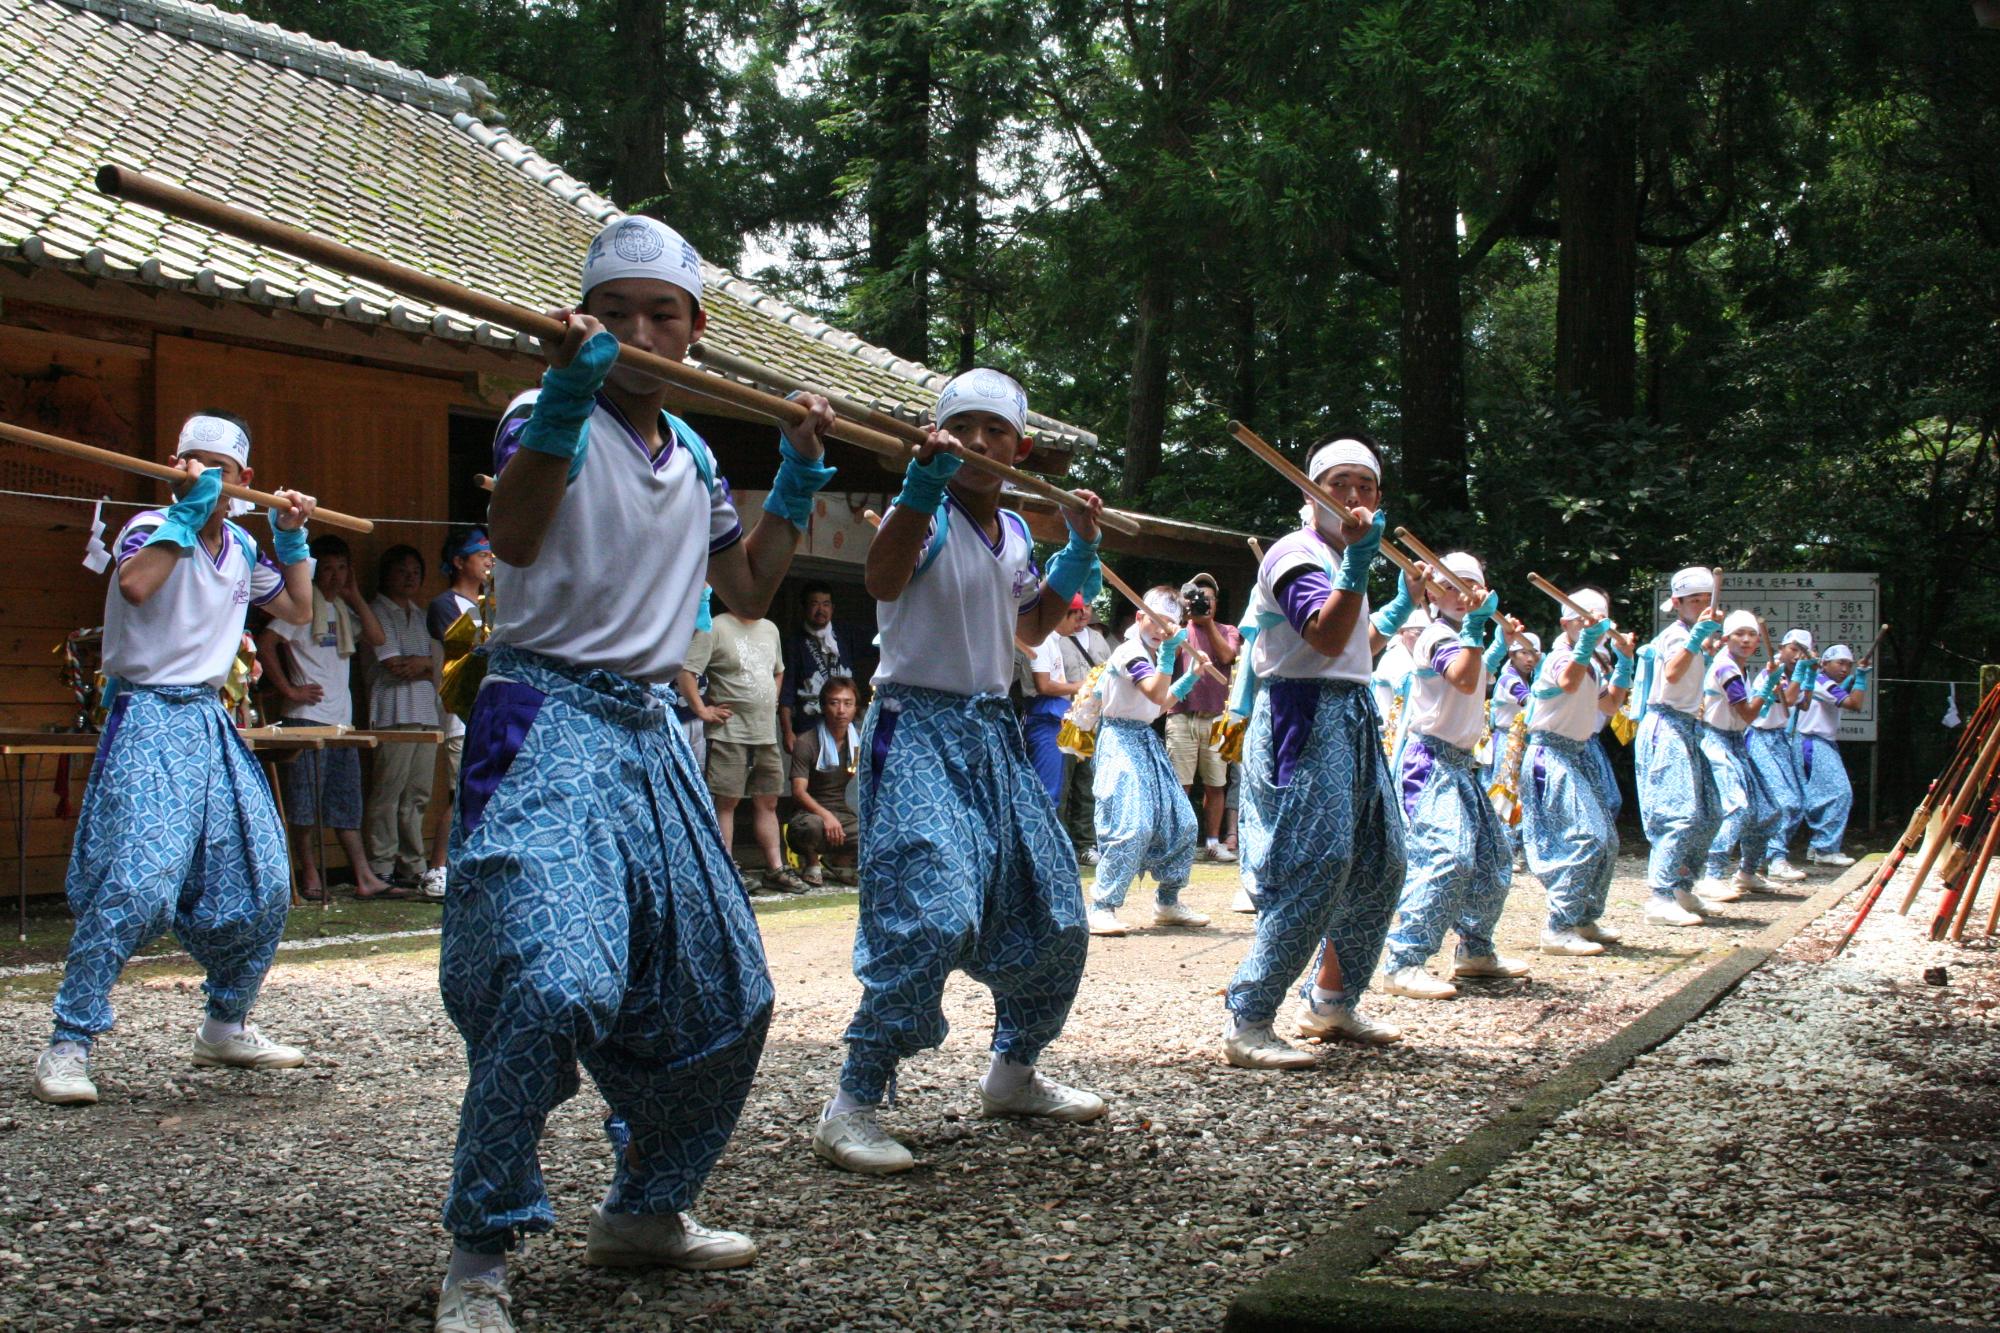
column 1146, row 396
column 899, row 196
column 1597, row 275
column 639, row 129
column 1433, row 333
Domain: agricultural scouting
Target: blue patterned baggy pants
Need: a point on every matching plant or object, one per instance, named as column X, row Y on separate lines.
column 963, row 866
column 1144, row 821
column 178, row 832
column 1829, row 796
column 1322, row 839
column 1775, row 757
column 1460, row 862
column 1748, row 812
column 1677, row 800
column 593, row 915
column 1572, row 841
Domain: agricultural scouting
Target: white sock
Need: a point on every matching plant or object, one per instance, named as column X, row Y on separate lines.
column 1005, row 1077
column 1214, row 843
column 214, row 1030
column 1323, row 996
column 843, row 1102
column 70, row 1048
column 464, row 1264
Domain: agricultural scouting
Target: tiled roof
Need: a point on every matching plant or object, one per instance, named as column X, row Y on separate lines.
column 359, row 149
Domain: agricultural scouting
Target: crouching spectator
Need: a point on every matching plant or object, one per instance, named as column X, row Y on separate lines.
column 825, row 827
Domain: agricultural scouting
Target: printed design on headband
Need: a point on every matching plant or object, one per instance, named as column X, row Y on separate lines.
column 209, row 430
column 637, row 243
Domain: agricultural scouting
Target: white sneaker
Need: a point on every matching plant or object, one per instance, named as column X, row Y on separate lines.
column 1177, row 914
column 1222, row 854
column 1041, row 1096
column 1599, row 933
column 1784, row 870
column 248, row 1049
column 1493, row 965
column 1104, row 921
column 1569, row 944
column 1751, row 882
column 1331, row 1022
column 673, row 1240
column 855, row 1142
column 1668, row 911
column 1690, row 902
column 62, row 1078
column 1829, row 859
column 1255, row 1046
column 432, row 883
column 1713, row 890
column 1244, row 902
column 1418, row 984
column 475, row 1305
column 1090, row 856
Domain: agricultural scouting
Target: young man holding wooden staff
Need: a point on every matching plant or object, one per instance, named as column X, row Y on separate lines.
column 178, row 829
column 963, row 865
column 1749, row 809
column 1775, row 755
column 1461, row 862
column 1829, row 796
column 1677, row 797
column 1322, row 837
column 592, row 912
column 1568, row 798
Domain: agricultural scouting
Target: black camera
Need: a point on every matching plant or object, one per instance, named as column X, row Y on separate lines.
column 1195, row 598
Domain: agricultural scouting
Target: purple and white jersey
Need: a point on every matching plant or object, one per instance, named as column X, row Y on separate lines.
column 1301, row 563
column 953, row 628
column 1721, row 692
column 1436, row 708
column 1683, row 695
column 1130, row 662
column 187, row 633
column 1820, row 718
column 1576, row 715
column 1777, row 712
column 621, row 569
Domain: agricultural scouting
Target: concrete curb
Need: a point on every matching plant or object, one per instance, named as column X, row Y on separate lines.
column 1318, row 1289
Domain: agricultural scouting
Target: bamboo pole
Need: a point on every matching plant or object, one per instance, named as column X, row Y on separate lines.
column 1968, row 788
column 173, row 476
column 140, row 188
column 1976, row 872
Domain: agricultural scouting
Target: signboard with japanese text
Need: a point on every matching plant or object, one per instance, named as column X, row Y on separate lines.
column 1837, row 608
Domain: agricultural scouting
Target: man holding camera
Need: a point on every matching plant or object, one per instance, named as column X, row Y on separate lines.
column 1196, row 760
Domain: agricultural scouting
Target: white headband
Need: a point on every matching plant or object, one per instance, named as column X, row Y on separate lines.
column 1802, row 637
column 1343, row 453
column 1840, row 652
column 1689, row 582
column 642, row 247
column 1590, row 601
column 213, row 435
column 983, row 390
column 1737, row 620
column 1466, row 566
column 1533, row 638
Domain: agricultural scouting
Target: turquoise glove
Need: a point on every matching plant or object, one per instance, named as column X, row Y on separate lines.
column 924, row 483
column 1700, row 634
column 289, row 545
column 191, row 512
column 1622, row 675
column 799, row 480
column 1093, row 584
column 1391, row 617
column 1769, row 694
column 704, row 617
column 1592, row 635
column 1804, row 674
column 1477, row 619
column 1164, row 659
column 1359, row 557
column 1858, row 682
column 568, row 396
column 1496, row 650
column 1073, row 567
column 1184, row 686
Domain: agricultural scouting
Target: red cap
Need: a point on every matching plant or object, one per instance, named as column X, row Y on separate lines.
column 1076, row 602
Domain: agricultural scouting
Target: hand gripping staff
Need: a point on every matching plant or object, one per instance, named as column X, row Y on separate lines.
column 140, row 188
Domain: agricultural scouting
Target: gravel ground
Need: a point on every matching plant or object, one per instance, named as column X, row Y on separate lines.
column 308, row 1199
column 1826, row 1139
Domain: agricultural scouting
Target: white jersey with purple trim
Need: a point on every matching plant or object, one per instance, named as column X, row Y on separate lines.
column 1130, row 662
column 953, row 627
column 1280, row 653
column 1574, row 715
column 1436, row 708
column 621, row 568
column 1820, row 718
column 1683, row 695
column 1777, row 713
column 189, row 632
column 1718, row 708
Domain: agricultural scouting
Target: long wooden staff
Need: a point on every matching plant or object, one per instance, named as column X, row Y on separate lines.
column 1443, row 575
column 140, row 188
column 145, row 467
column 1869, row 656
column 1537, row 581
column 1968, row 789
column 1315, row 492
column 1974, row 875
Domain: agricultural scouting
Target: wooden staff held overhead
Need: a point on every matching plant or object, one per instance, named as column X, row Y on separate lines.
column 1543, row 585
column 173, row 476
column 1315, row 492
column 1457, row 584
column 1869, row 656
column 139, row 188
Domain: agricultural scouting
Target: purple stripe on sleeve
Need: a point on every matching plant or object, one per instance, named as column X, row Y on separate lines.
column 1302, row 595
column 727, row 540
column 137, row 534
column 1734, row 691
column 1519, row 689
column 507, row 440
column 1447, row 650
column 1139, row 669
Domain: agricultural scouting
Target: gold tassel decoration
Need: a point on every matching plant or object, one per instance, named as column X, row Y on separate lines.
column 1506, row 791
column 464, row 667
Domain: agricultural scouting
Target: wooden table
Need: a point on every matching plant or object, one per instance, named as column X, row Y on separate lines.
column 22, row 746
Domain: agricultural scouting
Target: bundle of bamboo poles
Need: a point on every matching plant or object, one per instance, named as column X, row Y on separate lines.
column 1954, row 831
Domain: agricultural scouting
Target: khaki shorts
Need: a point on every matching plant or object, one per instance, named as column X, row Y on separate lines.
column 1191, row 754
column 736, row 770
column 454, row 755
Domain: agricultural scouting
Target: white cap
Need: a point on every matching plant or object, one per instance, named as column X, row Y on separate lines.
column 1590, row 600
column 1802, row 637
column 1419, row 619
column 1840, row 652
column 982, row 390
column 1739, row 620
column 1689, row 582
column 1466, row 566
column 214, row 435
column 1343, row 452
column 642, row 247
column 1533, row 638
column 1165, row 604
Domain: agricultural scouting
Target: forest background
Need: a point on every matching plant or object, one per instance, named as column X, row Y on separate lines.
column 1623, row 286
